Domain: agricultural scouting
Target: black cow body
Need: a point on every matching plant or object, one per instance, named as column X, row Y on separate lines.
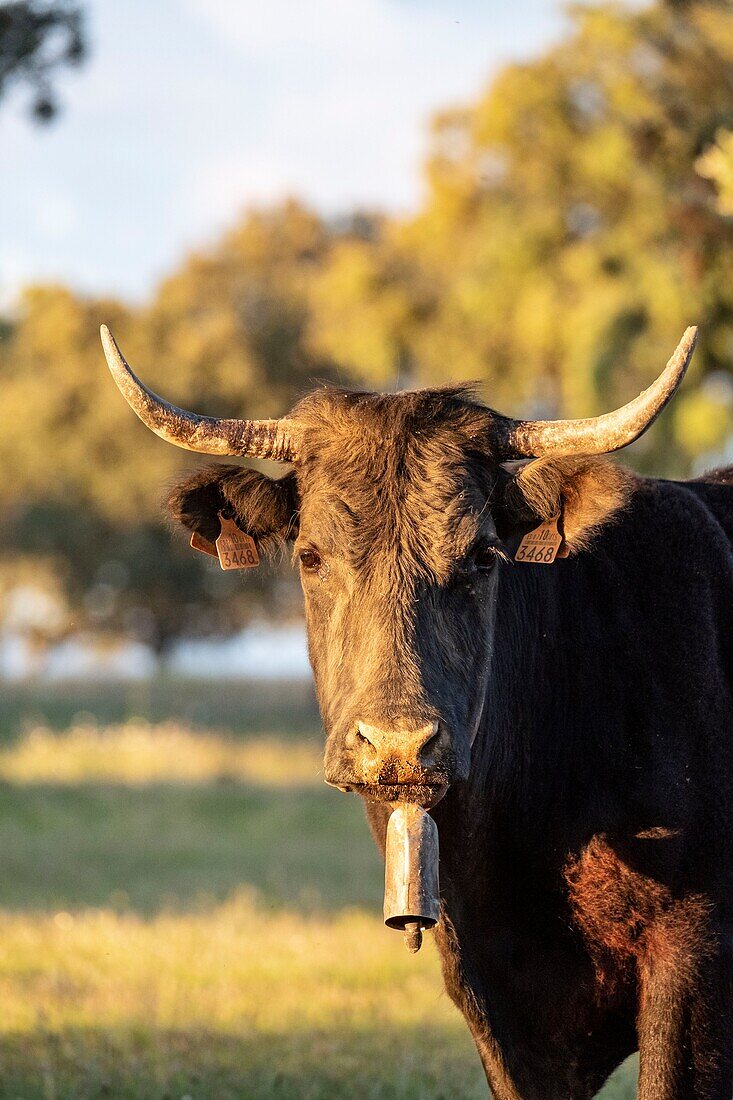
column 587, row 861
column 567, row 724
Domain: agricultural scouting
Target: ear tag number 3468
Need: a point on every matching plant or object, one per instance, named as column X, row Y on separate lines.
column 543, row 544
column 234, row 547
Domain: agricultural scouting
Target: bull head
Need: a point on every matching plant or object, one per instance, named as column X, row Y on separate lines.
column 399, row 507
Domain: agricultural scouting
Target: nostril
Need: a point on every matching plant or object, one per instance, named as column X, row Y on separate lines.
column 359, row 736
column 430, row 744
column 366, row 735
column 434, row 737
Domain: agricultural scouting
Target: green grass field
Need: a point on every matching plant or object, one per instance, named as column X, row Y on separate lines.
column 186, row 911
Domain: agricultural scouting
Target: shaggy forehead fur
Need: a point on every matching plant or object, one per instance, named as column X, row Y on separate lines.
column 403, row 472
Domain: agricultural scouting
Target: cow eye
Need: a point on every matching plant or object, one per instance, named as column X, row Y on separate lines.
column 310, row 560
column 486, row 556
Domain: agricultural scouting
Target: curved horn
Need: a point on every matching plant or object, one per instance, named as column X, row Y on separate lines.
column 275, row 439
column 596, row 434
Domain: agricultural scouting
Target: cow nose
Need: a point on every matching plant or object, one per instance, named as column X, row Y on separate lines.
column 415, row 747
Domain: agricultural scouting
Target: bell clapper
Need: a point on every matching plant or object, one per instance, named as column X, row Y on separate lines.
column 413, row 936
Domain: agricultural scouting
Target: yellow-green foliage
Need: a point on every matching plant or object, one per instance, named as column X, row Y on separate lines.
column 716, row 164
column 569, row 232
column 575, row 219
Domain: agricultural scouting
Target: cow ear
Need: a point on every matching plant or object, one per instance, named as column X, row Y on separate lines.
column 267, row 509
column 588, row 492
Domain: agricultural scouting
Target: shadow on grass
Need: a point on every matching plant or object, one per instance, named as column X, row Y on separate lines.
column 183, row 847
column 407, row 1064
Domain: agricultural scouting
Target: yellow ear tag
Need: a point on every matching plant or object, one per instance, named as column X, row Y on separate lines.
column 541, row 546
column 235, row 548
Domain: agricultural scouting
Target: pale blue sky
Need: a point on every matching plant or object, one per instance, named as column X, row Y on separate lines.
column 190, row 109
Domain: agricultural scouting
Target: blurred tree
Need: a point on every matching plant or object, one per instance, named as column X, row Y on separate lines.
column 577, row 217
column 225, row 335
column 567, row 237
column 36, row 39
column 231, row 325
column 369, row 302
column 716, row 164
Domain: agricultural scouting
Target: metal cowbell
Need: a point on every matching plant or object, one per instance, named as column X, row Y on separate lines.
column 411, row 894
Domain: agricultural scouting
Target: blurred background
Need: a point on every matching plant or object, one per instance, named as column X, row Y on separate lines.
column 386, row 193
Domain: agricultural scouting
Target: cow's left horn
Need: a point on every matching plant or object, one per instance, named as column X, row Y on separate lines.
column 276, row 439
column 596, row 434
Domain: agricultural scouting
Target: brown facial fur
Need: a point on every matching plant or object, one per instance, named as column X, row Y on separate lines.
column 406, row 473
column 395, row 495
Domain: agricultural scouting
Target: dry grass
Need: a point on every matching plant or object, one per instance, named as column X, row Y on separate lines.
column 139, row 753
column 190, row 913
column 231, row 1002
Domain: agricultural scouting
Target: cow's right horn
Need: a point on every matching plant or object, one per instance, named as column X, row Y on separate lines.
column 597, row 434
column 275, row 439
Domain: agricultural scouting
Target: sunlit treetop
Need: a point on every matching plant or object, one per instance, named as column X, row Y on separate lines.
column 568, row 236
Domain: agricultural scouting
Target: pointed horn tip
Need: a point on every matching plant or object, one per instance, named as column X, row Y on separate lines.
column 683, row 353
column 689, row 338
column 111, row 350
column 119, row 368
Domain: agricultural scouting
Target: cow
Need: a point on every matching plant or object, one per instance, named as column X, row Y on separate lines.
column 567, row 724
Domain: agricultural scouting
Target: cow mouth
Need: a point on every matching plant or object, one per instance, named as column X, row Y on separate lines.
column 421, row 794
